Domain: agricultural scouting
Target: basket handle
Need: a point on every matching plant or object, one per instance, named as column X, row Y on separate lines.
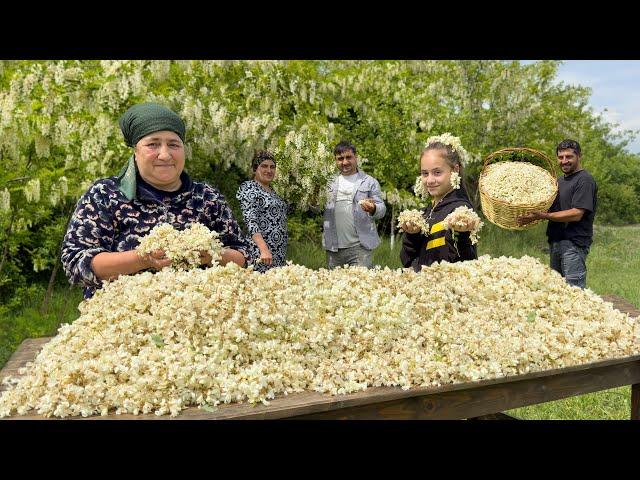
column 548, row 164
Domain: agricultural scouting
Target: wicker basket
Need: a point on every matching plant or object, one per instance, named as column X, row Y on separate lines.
column 504, row 214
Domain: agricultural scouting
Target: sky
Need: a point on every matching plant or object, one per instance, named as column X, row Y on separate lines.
column 615, row 85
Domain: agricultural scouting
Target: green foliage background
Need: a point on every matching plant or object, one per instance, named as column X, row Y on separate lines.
column 58, row 125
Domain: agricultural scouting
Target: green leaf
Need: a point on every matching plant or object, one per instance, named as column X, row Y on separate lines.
column 157, row 339
column 532, row 316
column 208, row 408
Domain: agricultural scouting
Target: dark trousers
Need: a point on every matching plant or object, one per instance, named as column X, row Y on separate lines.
column 570, row 261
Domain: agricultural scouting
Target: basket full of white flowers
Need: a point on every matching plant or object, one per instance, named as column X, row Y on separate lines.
column 514, row 182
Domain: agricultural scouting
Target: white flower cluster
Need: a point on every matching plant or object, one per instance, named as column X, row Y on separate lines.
column 419, row 188
column 63, row 183
column 517, row 183
column 183, row 247
column 413, row 217
column 464, row 219
column 5, row 201
column 305, row 167
column 399, row 198
column 32, row 190
column 161, row 342
column 454, row 143
column 366, row 201
column 23, row 224
column 455, row 180
column 58, row 190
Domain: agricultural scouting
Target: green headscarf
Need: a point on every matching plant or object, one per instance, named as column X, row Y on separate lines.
column 138, row 122
column 145, row 118
column 127, row 179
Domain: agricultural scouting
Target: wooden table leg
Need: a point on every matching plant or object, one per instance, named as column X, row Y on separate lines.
column 635, row 401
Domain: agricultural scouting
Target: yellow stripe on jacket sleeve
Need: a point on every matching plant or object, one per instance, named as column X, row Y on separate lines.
column 438, row 242
column 437, row 227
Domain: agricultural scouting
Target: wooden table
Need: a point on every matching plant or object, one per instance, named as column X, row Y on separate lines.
column 481, row 399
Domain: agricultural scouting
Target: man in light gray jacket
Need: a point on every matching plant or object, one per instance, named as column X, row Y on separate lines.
column 354, row 202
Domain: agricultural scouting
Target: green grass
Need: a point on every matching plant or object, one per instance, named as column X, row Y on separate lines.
column 613, row 265
column 613, row 404
column 612, row 268
column 29, row 322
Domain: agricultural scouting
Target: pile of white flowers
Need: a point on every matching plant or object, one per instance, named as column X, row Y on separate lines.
column 464, row 219
column 517, row 183
column 413, row 217
column 161, row 342
column 183, row 247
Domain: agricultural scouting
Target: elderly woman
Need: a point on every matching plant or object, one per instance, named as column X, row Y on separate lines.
column 264, row 213
column 153, row 188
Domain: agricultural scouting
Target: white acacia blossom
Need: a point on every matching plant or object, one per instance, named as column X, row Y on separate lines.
column 64, row 185
column 399, row 198
column 517, row 183
column 183, row 247
column 464, row 219
column 5, row 201
column 161, row 342
column 305, row 167
column 419, row 188
column 455, row 180
column 413, row 217
column 32, row 190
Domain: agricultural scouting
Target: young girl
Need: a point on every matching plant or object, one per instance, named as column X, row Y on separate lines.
column 438, row 163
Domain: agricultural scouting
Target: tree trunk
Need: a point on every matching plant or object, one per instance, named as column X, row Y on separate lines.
column 52, row 282
column 5, row 250
column 54, row 273
column 393, row 224
column 474, row 193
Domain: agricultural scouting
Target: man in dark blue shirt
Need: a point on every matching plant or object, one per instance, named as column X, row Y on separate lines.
column 570, row 228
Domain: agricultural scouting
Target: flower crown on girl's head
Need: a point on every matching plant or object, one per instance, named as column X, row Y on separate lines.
column 454, row 142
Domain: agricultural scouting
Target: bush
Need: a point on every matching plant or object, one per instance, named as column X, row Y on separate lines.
column 305, row 227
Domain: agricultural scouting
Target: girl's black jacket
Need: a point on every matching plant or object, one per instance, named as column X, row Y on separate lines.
column 419, row 249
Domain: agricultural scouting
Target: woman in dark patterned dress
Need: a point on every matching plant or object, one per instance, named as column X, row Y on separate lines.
column 153, row 188
column 264, row 214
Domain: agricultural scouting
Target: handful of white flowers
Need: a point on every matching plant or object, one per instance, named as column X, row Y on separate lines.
column 464, row 219
column 185, row 247
column 366, row 202
column 413, row 217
